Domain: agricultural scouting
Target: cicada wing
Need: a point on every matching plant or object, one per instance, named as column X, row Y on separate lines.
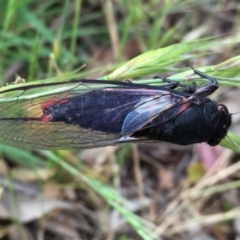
column 21, row 110
column 52, row 136
column 21, row 124
column 57, row 135
column 147, row 110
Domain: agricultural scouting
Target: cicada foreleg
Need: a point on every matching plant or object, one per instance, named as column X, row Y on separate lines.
column 174, row 84
column 208, row 88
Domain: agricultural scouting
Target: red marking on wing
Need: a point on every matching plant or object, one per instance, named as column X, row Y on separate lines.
column 46, row 118
column 52, row 102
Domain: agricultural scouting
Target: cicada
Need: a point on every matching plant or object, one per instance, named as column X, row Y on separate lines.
column 93, row 113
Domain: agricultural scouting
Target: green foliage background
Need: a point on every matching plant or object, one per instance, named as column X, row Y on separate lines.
column 60, row 40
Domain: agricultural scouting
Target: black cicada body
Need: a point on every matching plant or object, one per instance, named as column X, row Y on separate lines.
column 93, row 113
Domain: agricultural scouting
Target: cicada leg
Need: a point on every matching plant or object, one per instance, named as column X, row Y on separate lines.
column 208, row 88
column 174, row 84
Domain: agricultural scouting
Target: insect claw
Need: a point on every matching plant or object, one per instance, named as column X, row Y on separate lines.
column 203, row 75
column 188, row 65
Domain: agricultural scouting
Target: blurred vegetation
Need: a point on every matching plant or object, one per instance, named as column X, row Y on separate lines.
column 120, row 192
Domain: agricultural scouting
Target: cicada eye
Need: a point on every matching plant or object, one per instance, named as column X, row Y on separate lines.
column 223, row 111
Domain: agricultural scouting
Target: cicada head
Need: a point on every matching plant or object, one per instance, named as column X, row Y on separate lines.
column 222, row 121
